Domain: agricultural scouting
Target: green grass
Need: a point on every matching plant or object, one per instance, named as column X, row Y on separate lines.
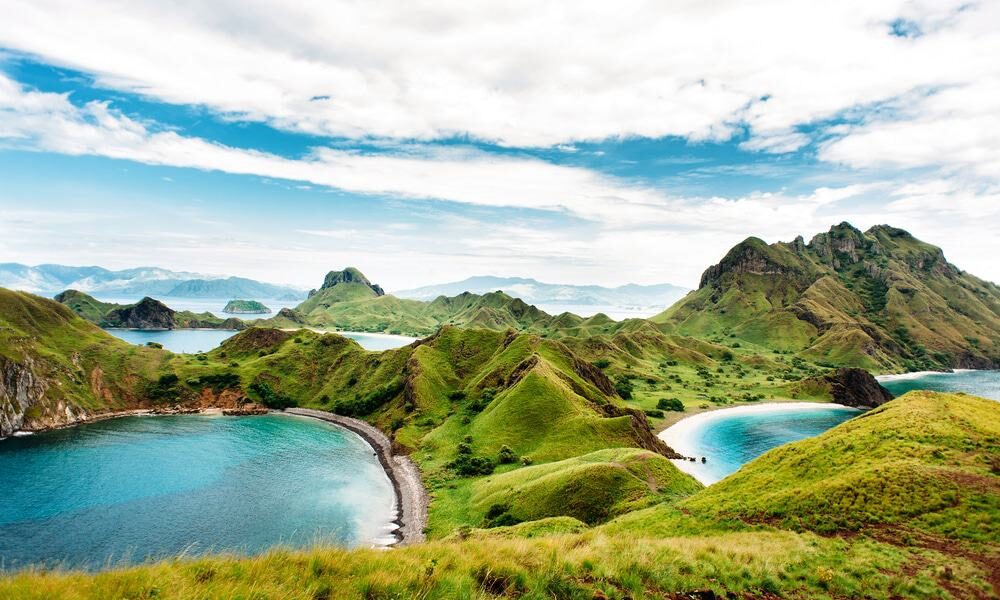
column 590, row 488
column 582, row 566
column 925, row 461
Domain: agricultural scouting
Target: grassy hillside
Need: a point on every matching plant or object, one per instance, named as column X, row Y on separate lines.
column 880, row 300
column 590, row 488
column 749, row 536
column 927, row 462
column 57, row 367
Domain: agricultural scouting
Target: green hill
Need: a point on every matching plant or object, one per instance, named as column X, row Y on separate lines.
column 148, row 313
column 880, row 300
column 56, row 367
column 927, row 463
column 252, row 307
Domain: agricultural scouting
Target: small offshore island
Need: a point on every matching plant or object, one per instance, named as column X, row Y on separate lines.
column 246, row 307
column 521, row 448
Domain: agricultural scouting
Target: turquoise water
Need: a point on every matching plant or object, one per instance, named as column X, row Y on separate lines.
column 186, row 341
column 729, row 441
column 979, row 383
column 125, row 490
column 191, row 341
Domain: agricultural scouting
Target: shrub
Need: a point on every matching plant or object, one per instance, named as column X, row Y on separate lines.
column 456, row 396
column 506, row 455
column 270, row 398
column 154, row 345
column 673, row 404
column 602, row 363
column 654, row 413
column 469, row 466
column 624, row 388
column 359, row 406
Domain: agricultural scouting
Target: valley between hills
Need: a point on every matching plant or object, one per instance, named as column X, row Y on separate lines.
column 535, row 434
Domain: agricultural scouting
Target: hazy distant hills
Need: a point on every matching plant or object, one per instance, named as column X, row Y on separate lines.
column 141, row 281
column 536, row 292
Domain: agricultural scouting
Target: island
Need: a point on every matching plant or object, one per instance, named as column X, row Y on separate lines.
column 245, row 307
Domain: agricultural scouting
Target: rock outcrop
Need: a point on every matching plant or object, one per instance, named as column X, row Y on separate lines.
column 857, row 388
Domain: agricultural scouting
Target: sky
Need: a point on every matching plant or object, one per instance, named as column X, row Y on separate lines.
column 424, row 142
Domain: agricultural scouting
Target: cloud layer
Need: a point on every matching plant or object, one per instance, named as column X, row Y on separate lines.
column 901, row 94
column 524, row 74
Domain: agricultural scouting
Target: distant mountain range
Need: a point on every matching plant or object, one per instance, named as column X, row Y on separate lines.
column 536, row 292
column 141, row 281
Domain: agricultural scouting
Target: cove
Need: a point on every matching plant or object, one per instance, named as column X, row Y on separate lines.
column 192, row 341
column 731, row 437
column 139, row 488
column 985, row 384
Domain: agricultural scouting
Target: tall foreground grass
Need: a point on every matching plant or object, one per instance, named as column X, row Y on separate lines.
column 589, row 565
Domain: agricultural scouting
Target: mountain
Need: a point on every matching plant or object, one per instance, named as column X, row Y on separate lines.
column 880, row 299
column 141, row 281
column 148, row 313
column 347, row 300
column 536, row 292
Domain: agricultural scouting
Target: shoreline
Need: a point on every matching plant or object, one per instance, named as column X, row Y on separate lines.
column 678, row 435
column 919, row 374
column 411, row 496
column 343, row 333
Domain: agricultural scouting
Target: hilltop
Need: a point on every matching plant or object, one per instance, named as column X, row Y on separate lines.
column 879, row 299
column 148, row 313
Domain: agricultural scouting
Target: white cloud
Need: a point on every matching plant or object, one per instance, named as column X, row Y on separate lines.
column 517, row 72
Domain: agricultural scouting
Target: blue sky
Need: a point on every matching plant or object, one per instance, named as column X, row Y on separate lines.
column 586, row 143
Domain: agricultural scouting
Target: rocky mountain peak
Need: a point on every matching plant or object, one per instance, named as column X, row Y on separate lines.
column 752, row 256
column 350, row 275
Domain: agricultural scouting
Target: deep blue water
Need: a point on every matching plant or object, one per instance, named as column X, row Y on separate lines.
column 979, row 383
column 146, row 487
column 191, row 341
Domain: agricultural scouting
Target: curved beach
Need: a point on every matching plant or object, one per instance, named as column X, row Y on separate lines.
column 404, row 475
column 681, row 435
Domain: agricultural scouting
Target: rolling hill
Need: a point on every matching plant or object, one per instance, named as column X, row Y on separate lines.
column 880, row 299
